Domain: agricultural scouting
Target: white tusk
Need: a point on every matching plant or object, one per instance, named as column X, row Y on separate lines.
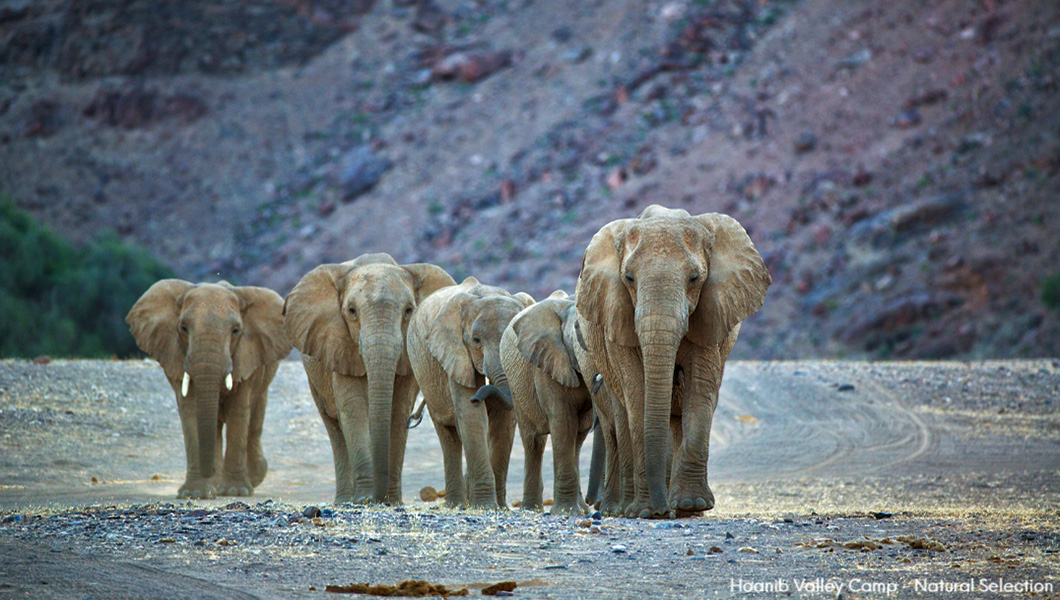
column 184, row 385
column 228, row 382
column 488, row 381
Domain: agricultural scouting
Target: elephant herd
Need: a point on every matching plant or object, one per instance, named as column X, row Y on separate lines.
column 639, row 350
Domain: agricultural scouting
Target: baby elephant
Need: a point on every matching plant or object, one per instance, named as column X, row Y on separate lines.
column 219, row 346
column 550, row 396
column 454, row 345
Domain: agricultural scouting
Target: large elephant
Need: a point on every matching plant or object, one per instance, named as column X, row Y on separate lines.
column 550, row 397
column 454, row 345
column 349, row 322
column 219, row 346
column 661, row 298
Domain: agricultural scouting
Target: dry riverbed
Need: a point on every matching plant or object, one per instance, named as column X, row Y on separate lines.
column 888, row 479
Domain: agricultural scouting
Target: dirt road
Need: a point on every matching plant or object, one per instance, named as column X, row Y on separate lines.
column 806, row 457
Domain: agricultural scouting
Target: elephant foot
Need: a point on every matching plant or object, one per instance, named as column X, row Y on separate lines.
column 570, row 507
column 691, row 498
column 642, row 509
column 534, row 506
column 197, row 490
column 235, row 486
column 257, row 468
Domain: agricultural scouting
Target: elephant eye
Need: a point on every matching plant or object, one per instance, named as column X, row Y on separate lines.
column 408, row 311
column 183, row 328
column 629, row 277
column 476, row 340
column 235, row 330
column 353, row 311
column 694, row 277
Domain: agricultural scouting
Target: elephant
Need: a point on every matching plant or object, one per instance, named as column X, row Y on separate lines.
column 349, row 321
column 550, row 396
column 454, row 346
column 660, row 300
column 219, row 346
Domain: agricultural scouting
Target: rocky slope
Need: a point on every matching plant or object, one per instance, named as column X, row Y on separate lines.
column 896, row 165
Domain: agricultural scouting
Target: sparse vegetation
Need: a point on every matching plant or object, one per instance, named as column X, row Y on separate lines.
column 1051, row 291
column 64, row 301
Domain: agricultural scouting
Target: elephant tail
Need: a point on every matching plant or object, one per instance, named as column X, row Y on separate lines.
column 417, row 415
column 596, row 465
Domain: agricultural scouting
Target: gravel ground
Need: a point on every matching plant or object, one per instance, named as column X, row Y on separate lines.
column 884, row 478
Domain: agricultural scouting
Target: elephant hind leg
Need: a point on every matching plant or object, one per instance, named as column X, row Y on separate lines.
column 257, row 466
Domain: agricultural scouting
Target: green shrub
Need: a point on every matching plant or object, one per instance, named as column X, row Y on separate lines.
column 1051, row 291
column 62, row 301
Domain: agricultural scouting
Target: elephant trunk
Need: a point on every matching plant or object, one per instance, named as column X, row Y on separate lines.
column 207, row 367
column 381, row 356
column 499, row 381
column 660, row 333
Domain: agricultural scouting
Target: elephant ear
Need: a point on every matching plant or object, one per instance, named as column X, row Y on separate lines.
column 429, row 279
column 445, row 340
column 539, row 335
column 525, row 299
column 263, row 340
column 314, row 322
column 736, row 284
column 601, row 297
column 153, row 323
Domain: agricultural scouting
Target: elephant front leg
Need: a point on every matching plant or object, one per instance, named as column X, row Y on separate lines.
column 405, row 391
column 195, row 485
column 472, row 424
column 235, row 480
column 351, row 404
column 689, row 490
column 501, row 440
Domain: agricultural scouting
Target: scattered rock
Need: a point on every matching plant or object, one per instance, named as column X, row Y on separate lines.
column 855, row 60
column 577, row 54
column 715, row 550
column 471, row 67
column 359, row 170
column 925, row 98
column 906, row 119
column 882, row 515
column 845, row 387
column 747, row 419
column 428, row 494
column 748, row 550
column 13, row 519
column 311, row 512
column 517, row 504
column 237, row 505
column 548, row 502
column 585, row 523
column 805, row 142
column 43, row 359
column 618, row 549
column 596, row 516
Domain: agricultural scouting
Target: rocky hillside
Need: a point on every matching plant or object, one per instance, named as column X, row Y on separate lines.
column 897, row 164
